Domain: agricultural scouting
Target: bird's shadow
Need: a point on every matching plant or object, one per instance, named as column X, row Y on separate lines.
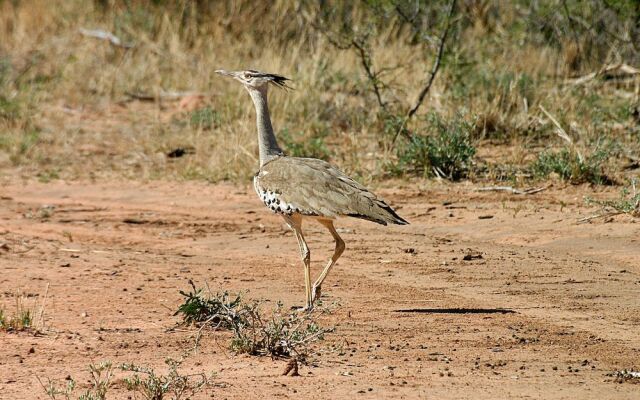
column 456, row 311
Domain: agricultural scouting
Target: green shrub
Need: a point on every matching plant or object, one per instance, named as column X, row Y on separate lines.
column 205, row 118
column 279, row 334
column 570, row 166
column 627, row 203
column 446, row 153
column 297, row 145
column 101, row 375
column 153, row 386
column 22, row 319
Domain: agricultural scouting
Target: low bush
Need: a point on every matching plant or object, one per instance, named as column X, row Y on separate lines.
column 446, row 153
column 278, row 334
column 569, row 165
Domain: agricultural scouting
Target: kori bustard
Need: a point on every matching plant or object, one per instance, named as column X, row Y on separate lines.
column 305, row 188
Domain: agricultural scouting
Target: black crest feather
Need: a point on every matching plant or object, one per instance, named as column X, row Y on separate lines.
column 277, row 80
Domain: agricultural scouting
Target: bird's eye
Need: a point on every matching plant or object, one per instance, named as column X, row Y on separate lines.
column 247, row 75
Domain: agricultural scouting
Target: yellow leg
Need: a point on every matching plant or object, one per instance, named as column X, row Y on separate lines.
column 317, row 285
column 295, row 223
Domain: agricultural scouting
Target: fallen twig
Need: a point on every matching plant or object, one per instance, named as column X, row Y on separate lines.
column 104, row 35
column 602, row 215
column 510, row 189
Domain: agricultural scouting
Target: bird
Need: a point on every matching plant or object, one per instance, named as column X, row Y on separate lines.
column 300, row 188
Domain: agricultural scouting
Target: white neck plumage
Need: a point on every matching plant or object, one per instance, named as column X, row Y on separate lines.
column 267, row 143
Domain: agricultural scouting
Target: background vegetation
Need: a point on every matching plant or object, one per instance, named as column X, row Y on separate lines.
column 523, row 90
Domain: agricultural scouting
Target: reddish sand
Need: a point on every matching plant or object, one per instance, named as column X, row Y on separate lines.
column 115, row 255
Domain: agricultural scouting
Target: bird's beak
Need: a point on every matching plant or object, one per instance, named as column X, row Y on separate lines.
column 225, row 73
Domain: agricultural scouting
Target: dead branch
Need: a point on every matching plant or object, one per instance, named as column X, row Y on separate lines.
column 104, row 35
column 510, row 189
column 363, row 53
column 434, row 71
column 436, row 62
column 601, row 215
column 411, row 20
column 367, row 64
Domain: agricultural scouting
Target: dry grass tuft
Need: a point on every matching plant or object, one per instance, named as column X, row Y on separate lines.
column 27, row 315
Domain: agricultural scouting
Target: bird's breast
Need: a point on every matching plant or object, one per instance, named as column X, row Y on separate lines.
column 273, row 200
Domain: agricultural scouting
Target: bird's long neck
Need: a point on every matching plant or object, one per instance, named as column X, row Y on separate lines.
column 267, row 143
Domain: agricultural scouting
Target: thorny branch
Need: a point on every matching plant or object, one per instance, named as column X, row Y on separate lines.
column 373, row 75
column 365, row 59
column 436, row 63
column 432, row 77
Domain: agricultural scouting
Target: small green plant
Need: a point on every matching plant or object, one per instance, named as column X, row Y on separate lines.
column 9, row 109
column 627, row 203
column 220, row 310
column 297, row 145
column 571, row 166
column 446, row 153
column 204, row 118
column 280, row 334
column 21, row 320
column 48, row 175
column 144, row 381
column 152, row 386
column 101, row 375
column 24, row 317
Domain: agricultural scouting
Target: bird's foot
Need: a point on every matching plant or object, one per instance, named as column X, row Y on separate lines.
column 316, row 293
column 306, row 308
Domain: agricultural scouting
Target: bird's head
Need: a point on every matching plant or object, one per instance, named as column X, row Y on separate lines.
column 256, row 80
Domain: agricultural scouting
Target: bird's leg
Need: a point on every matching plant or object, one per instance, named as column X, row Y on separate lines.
column 317, row 285
column 295, row 223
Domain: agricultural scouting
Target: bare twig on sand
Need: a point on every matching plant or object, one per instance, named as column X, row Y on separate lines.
column 104, row 35
column 606, row 214
column 510, row 189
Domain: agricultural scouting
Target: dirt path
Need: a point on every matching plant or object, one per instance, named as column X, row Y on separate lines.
column 546, row 310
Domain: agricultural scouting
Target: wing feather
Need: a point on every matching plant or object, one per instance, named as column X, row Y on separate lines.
column 315, row 187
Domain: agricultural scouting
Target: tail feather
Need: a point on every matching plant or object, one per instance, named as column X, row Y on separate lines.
column 395, row 218
column 383, row 215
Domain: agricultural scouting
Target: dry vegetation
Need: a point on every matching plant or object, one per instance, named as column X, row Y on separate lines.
column 74, row 106
column 503, row 93
column 26, row 315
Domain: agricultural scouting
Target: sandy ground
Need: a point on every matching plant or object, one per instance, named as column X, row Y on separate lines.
column 549, row 309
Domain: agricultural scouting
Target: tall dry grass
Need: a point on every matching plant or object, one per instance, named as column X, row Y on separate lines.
column 65, row 110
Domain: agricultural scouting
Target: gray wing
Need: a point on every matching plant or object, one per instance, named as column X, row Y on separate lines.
column 315, row 187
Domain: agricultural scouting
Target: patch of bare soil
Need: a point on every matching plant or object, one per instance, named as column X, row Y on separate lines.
column 485, row 295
